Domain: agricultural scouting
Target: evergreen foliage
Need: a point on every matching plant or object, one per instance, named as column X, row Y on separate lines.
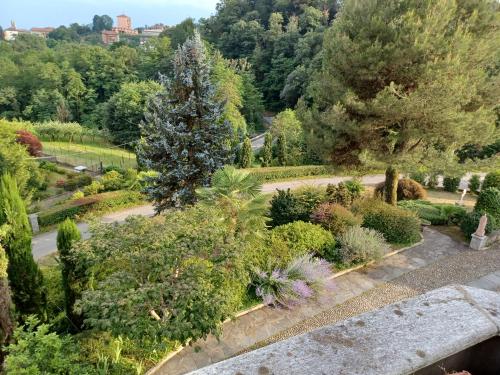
column 6, row 324
column 184, row 137
column 26, row 280
column 267, row 150
column 246, row 156
column 281, row 146
column 404, row 79
column 67, row 235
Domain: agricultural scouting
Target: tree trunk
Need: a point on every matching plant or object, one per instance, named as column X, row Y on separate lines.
column 391, row 185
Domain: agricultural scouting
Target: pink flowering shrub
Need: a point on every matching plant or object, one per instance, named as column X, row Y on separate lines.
column 304, row 278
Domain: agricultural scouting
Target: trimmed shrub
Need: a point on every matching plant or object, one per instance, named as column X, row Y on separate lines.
column 409, row 189
column 435, row 214
column 339, row 194
column 302, row 238
column 360, row 245
column 99, row 202
column 451, row 184
column 334, row 217
column 280, row 173
column 310, row 197
column 94, row 188
column 489, row 202
column 112, row 181
column 470, row 223
column 246, row 154
column 77, row 181
column 396, row 224
column 287, row 208
column 78, row 195
column 475, row 183
column 492, row 179
column 32, row 143
column 355, row 187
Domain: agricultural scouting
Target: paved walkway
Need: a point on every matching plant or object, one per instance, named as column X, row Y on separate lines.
column 437, row 262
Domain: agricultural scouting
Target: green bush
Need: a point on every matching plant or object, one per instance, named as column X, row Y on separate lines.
column 334, row 217
column 360, row 245
column 37, row 351
column 489, row 202
column 77, row 181
column 302, row 238
column 340, row 194
column 287, row 208
column 409, row 189
column 419, row 177
column 475, row 183
column 355, row 187
column 436, row 214
column 280, row 173
column 99, row 202
column 396, row 224
column 451, row 184
column 492, row 179
column 112, row 181
column 470, row 223
column 94, row 188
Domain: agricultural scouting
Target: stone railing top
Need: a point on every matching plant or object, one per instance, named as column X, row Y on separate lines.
column 397, row 339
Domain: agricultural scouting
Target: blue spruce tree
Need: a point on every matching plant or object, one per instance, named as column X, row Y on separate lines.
column 184, row 136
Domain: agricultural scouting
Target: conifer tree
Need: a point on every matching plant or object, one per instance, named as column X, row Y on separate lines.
column 267, row 150
column 67, row 235
column 6, row 324
column 26, row 279
column 281, row 146
column 246, row 156
column 403, row 80
column 185, row 138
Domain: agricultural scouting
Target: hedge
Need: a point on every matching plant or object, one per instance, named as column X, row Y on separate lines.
column 96, row 203
column 436, row 214
column 279, row 173
column 396, row 224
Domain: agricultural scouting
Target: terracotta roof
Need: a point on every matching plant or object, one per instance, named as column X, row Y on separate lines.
column 109, row 32
column 42, row 29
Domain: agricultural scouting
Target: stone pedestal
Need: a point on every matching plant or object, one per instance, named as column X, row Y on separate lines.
column 34, row 223
column 478, row 242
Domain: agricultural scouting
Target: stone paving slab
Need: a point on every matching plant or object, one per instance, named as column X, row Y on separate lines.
column 260, row 325
column 398, row 339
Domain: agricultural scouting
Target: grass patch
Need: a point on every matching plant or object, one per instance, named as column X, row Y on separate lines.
column 90, row 155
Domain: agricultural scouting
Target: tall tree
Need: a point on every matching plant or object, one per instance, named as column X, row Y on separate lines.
column 6, row 323
column 404, row 79
column 67, row 235
column 100, row 23
column 26, row 280
column 185, row 138
column 246, row 154
column 267, row 150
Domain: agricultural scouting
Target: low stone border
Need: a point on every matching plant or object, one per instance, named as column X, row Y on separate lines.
column 397, row 339
column 261, row 305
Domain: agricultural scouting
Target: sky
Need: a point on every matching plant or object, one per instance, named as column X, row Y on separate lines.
column 42, row 13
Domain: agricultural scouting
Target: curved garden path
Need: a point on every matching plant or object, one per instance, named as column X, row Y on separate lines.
column 439, row 261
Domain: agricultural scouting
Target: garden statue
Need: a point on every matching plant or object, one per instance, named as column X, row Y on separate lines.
column 479, row 239
column 481, row 228
column 461, row 203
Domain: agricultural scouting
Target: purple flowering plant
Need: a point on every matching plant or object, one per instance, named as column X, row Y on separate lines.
column 304, row 278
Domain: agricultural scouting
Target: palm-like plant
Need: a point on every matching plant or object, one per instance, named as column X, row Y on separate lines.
column 239, row 194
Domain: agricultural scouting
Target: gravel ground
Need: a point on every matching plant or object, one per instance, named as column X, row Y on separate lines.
column 462, row 268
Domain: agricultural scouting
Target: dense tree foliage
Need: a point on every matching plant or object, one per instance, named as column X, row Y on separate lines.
column 125, row 110
column 405, row 78
column 6, row 323
column 185, row 137
column 26, row 280
column 281, row 40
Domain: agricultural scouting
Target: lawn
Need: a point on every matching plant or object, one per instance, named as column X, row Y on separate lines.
column 90, row 155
